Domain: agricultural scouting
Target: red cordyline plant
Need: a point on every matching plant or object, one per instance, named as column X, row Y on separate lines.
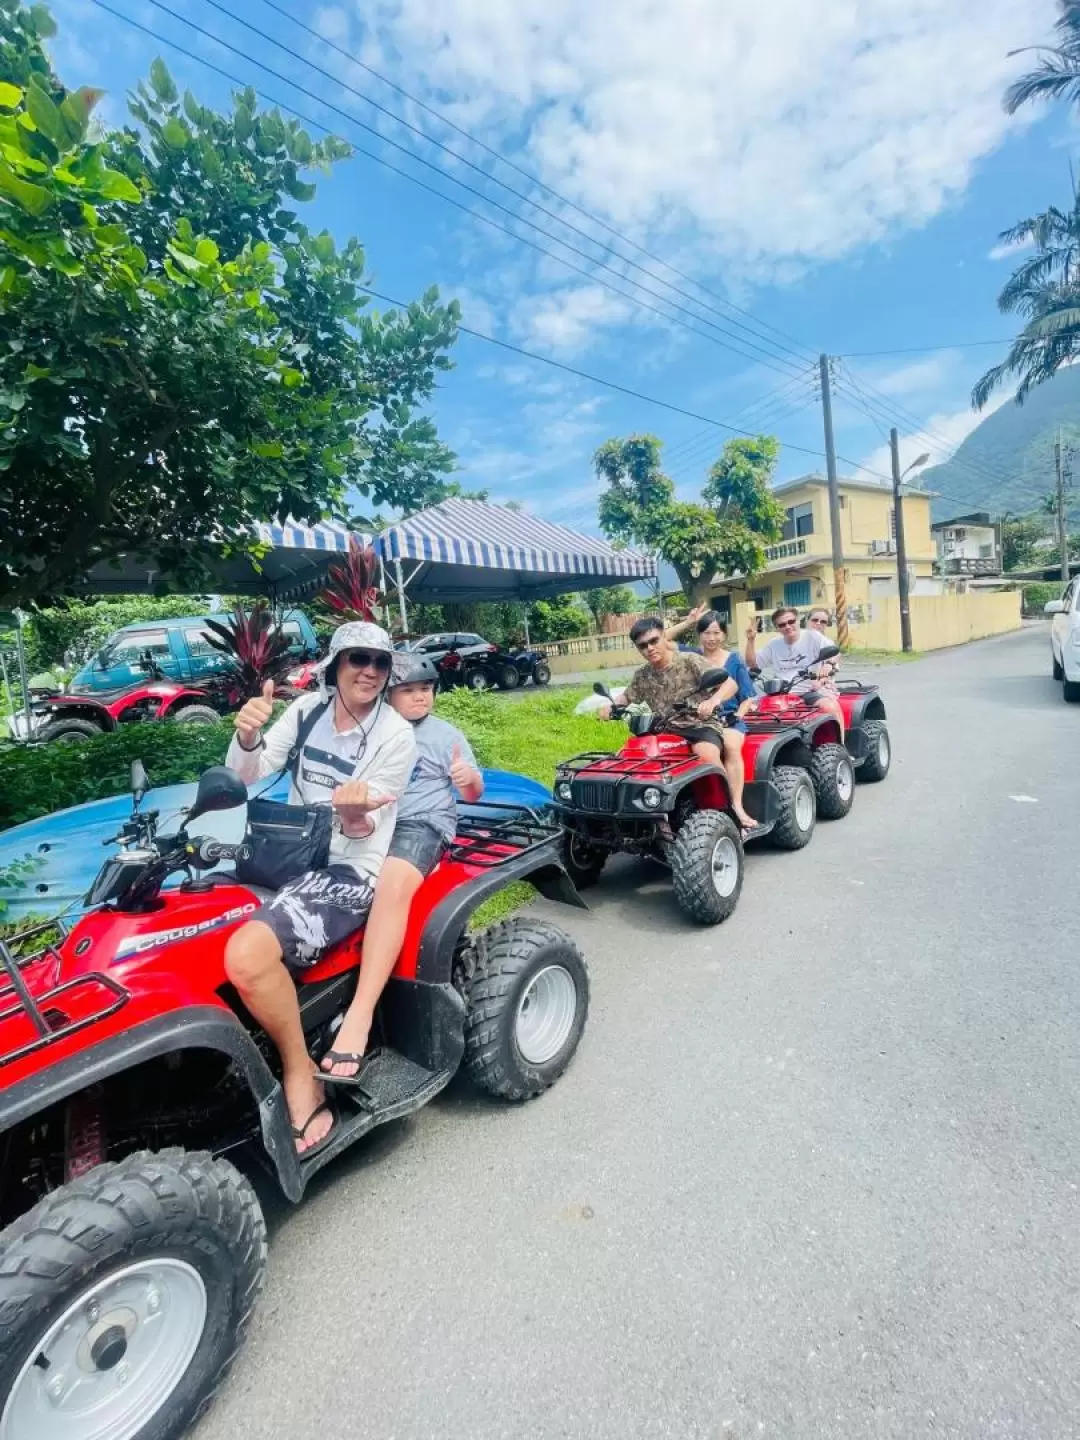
column 351, row 590
column 255, row 646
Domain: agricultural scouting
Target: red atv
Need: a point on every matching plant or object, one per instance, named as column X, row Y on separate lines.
column 75, row 718
column 656, row 798
column 866, row 734
column 133, row 1252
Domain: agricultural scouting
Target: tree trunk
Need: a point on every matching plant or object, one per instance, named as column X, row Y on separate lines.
column 696, row 588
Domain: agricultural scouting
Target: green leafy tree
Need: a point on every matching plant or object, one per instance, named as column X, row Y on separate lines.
column 179, row 354
column 1021, row 539
column 562, row 618
column 610, row 600
column 726, row 533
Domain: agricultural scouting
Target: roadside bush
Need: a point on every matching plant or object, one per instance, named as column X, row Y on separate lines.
column 1034, row 597
column 529, row 736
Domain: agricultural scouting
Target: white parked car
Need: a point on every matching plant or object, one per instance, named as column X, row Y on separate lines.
column 1065, row 638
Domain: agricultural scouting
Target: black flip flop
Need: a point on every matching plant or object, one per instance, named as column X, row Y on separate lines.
column 355, row 1081
column 299, row 1131
column 752, row 832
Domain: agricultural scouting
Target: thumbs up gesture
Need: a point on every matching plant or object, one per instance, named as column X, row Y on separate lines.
column 461, row 773
column 254, row 715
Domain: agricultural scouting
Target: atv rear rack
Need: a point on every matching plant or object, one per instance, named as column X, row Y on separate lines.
column 29, row 1021
column 488, row 842
column 620, row 767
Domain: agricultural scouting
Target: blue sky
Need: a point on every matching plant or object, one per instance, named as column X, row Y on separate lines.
column 839, row 170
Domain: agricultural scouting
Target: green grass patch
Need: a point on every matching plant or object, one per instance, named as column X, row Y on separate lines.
column 531, row 735
column 881, row 657
column 501, row 905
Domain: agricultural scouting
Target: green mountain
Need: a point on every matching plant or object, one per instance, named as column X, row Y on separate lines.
column 1006, row 464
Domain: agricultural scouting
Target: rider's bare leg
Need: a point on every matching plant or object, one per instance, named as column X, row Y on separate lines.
column 254, row 965
column 736, row 773
column 831, row 706
column 398, row 882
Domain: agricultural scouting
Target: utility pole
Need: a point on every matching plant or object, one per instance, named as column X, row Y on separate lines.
column 901, row 546
column 1063, row 539
column 839, row 588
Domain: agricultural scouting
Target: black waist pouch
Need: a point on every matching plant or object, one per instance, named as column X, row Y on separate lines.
column 282, row 842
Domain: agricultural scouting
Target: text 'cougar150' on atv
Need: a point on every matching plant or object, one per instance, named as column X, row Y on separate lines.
column 133, row 1251
column 866, row 735
column 657, row 798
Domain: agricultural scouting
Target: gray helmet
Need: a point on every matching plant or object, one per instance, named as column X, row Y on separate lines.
column 412, row 669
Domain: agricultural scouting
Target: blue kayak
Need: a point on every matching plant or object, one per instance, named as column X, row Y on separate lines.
column 69, row 846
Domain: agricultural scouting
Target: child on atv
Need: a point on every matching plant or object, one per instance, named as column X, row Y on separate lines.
column 426, row 823
column 355, row 754
column 667, row 680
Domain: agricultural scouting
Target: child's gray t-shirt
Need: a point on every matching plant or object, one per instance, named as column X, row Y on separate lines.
column 429, row 795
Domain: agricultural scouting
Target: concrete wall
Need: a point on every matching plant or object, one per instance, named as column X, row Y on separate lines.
column 937, row 621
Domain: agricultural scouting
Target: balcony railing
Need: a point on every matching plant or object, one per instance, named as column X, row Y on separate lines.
column 969, row 565
column 785, row 550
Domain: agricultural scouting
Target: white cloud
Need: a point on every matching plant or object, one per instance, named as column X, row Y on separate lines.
column 947, row 430
column 567, row 319
column 918, row 377
column 764, row 137
column 1007, row 250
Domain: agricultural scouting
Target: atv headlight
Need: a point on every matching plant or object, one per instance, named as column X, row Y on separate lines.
column 651, row 797
column 563, row 791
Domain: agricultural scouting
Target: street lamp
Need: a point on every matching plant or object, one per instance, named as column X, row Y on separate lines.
column 901, row 548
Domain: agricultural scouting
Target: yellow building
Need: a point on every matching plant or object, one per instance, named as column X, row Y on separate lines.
column 798, row 570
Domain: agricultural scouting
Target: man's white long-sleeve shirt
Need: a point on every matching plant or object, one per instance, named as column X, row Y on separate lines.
column 381, row 750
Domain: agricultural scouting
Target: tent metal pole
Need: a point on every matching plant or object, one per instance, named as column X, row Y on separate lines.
column 23, row 678
column 401, row 597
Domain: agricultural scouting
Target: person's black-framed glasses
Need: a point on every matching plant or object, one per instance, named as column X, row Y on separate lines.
column 648, row 642
column 376, row 660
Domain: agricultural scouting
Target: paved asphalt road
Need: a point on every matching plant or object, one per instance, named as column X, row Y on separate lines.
column 812, row 1174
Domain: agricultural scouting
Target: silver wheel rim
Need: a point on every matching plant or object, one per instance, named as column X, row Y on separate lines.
column 883, row 751
column 805, row 805
column 478, row 681
column 725, row 867
column 545, row 1015
column 106, row 1367
column 845, row 780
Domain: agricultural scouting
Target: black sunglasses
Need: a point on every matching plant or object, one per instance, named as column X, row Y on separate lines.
column 649, row 643
column 367, row 660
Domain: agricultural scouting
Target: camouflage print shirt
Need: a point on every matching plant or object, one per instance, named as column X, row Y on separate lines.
column 661, row 689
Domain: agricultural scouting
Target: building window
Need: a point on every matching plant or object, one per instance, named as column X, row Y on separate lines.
column 843, row 502
column 797, row 592
column 761, row 598
column 798, row 520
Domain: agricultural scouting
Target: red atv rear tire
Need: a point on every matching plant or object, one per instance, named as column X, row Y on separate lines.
column 833, row 774
column 125, row 1295
column 69, row 732
column 878, row 751
column 798, row 808
column 707, row 866
column 195, row 715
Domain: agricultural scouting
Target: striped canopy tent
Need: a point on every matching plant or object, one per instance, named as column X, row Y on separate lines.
column 292, row 568
column 464, row 550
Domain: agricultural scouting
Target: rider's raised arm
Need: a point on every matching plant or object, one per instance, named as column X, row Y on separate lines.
column 273, row 751
column 681, row 626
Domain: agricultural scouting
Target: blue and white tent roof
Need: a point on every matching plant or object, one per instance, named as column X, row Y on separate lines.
column 291, row 536
column 468, row 549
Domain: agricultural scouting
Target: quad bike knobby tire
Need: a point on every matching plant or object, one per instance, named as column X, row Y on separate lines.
column 509, row 677
column 583, row 861
column 541, row 673
column 70, row 732
column 798, row 808
column 833, row 775
column 480, row 678
column 125, row 1295
column 197, row 715
column 526, row 1000
column 707, row 866
column 1070, row 690
column 878, row 751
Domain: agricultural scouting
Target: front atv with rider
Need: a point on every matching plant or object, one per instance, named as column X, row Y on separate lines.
column 657, row 798
column 133, row 1250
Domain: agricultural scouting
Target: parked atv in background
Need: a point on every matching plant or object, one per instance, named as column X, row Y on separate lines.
column 74, row 718
column 133, row 1252
column 866, row 734
column 532, row 665
column 656, row 798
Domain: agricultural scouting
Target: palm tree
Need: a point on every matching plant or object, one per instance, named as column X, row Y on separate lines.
column 1057, row 75
column 1045, row 287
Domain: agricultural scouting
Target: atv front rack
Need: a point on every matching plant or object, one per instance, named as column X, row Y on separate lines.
column 34, row 1015
column 488, row 842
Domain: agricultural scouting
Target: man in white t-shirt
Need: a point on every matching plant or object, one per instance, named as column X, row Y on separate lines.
column 356, row 757
column 790, row 652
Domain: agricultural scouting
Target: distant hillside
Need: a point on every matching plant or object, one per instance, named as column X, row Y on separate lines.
column 1007, row 462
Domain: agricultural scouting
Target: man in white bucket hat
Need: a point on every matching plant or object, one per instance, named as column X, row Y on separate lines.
column 357, row 755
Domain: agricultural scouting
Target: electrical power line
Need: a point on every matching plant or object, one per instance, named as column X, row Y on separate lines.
column 909, row 349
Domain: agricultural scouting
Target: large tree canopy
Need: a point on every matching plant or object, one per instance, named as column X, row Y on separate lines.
column 724, row 535
column 180, row 355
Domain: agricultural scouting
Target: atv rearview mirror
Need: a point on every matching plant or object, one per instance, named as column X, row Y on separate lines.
column 827, row 652
column 139, row 783
column 219, row 789
column 599, row 688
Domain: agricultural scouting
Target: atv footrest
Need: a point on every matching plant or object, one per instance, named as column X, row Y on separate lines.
column 389, row 1080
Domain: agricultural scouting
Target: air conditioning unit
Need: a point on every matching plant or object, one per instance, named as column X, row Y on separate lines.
column 881, row 547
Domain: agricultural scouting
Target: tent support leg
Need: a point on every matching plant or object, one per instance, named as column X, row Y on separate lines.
column 401, row 597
